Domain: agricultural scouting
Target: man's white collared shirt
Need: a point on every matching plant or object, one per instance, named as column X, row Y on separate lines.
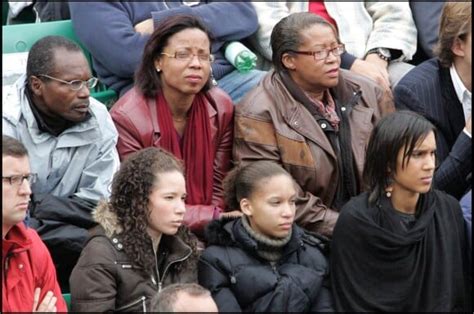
column 464, row 95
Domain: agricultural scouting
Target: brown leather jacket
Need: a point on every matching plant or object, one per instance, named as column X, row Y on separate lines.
column 271, row 125
column 136, row 120
column 106, row 279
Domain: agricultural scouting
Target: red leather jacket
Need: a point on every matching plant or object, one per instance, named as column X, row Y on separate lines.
column 136, row 120
column 27, row 265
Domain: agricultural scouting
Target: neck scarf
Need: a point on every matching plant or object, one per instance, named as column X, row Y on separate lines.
column 268, row 248
column 326, row 108
column 197, row 152
column 52, row 125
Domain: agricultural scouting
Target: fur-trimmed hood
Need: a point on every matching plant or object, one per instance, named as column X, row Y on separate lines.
column 230, row 232
column 107, row 219
column 219, row 232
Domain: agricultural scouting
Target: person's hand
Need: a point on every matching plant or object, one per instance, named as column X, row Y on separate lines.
column 373, row 69
column 145, row 27
column 48, row 304
column 468, row 124
column 231, row 214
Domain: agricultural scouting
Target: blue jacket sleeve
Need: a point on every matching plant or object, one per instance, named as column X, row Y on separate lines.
column 347, row 60
column 427, row 16
column 227, row 21
column 452, row 174
column 107, row 31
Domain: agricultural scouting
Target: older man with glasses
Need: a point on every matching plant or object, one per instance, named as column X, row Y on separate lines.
column 28, row 276
column 71, row 141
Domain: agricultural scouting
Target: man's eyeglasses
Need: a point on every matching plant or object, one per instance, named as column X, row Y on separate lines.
column 18, row 179
column 75, row 85
column 188, row 56
column 323, row 54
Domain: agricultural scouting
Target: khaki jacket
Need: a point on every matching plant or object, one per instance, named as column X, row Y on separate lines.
column 271, row 125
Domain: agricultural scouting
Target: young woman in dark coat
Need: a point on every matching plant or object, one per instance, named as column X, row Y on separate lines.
column 140, row 245
column 262, row 261
column 401, row 246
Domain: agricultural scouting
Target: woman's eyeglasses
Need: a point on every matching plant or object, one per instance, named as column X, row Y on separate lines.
column 323, row 54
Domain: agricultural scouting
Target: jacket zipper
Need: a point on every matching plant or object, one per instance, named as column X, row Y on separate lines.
column 160, row 283
column 135, row 302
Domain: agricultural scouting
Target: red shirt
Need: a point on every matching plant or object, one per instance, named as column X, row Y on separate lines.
column 318, row 7
column 26, row 265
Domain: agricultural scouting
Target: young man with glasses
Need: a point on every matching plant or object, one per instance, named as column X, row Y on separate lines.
column 71, row 141
column 28, row 276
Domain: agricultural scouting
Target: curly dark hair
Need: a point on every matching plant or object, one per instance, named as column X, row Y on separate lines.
column 131, row 187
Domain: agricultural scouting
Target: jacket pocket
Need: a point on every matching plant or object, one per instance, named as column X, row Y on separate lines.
column 132, row 304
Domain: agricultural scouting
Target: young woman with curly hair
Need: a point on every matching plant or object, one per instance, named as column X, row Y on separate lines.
column 140, row 244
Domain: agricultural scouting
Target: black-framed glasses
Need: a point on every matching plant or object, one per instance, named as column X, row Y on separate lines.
column 323, row 54
column 75, row 85
column 188, row 56
column 18, row 179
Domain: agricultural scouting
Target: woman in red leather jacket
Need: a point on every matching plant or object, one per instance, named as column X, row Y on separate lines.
column 173, row 106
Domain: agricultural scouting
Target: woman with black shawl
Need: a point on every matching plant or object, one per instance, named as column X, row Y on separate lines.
column 401, row 246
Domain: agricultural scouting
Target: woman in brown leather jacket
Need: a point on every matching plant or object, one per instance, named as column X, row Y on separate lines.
column 140, row 244
column 173, row 106
column 311, row 117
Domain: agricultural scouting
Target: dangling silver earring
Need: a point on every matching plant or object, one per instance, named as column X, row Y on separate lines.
column 213, row 80
column 158, row 70
column 389, row 188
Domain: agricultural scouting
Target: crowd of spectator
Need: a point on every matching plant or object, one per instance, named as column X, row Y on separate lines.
column 334, row 176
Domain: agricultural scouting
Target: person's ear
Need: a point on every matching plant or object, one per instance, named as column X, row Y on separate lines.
column 246, row 207
column 36, row 85
column 158, row 64
column 459, row 47
column 288, row 61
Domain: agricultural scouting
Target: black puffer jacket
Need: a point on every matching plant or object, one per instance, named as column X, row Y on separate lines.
column 240, row 280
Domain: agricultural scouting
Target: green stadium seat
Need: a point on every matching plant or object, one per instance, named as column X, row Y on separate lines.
column 20, row 38
column 67, row 298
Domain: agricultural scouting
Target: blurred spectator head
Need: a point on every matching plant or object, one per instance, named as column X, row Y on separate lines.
column 180, row 46
column 398, row 133
column 183, row 297
column 59, row 79
column 454, row 29
column 265, row 193
column 288, row 35
column 147, row 197
column 16, row 179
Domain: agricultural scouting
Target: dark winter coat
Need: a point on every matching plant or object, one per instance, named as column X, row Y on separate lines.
column 105, row 278
column 240, row 280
